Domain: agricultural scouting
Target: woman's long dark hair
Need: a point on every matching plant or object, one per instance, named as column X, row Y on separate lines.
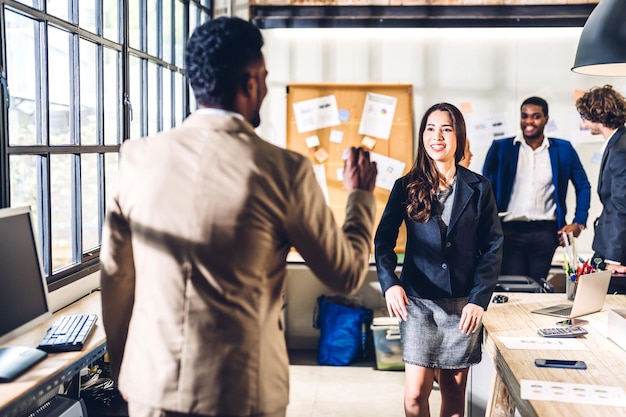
column 423, row 179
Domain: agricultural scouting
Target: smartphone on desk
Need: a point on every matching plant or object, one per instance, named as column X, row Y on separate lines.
column 560, row 363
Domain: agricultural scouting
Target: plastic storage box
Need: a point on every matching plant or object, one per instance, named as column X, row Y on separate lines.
column 386, row 334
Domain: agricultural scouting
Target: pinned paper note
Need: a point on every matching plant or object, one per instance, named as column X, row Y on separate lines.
column 312, row 141
column 577, row 94
column 320, row 175
column 320, row 155
column 389, row 170
column 340, row 174
column 316, row 113
column 466, row 107
column 368, row 142
column 377, row 116
column 336, row 136
column 344, row 115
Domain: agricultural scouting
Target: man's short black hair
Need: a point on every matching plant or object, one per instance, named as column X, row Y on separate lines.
column 537, row 101
column 216, row 57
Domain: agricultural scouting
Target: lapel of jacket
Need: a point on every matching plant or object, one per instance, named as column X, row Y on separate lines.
column 513, row 156
column 462, row 195
column 554, row 162
column 618, row 133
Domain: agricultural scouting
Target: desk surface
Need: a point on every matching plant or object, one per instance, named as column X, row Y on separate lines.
column 605, row 360
column 25, row 392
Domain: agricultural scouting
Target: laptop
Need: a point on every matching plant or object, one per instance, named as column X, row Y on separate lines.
column 590, row 296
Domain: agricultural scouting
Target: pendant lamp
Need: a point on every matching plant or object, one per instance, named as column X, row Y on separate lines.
column 602, row 44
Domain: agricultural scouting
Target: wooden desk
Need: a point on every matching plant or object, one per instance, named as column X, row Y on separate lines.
column 605, row 360
column 31, row 389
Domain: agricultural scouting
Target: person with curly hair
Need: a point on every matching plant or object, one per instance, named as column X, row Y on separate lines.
column 451, row 264
column 195, row 243
column 603, row 111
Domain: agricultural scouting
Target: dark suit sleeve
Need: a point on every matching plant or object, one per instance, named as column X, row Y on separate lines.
column 490, row 167
column 489, row 238
column 616, row 245
column 582, row 187
column 386, row 236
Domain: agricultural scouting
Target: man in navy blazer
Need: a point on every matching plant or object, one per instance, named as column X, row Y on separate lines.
column 530, row 175
column 603, row 111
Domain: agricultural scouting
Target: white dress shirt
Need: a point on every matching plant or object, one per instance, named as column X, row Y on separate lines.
column 532, row 197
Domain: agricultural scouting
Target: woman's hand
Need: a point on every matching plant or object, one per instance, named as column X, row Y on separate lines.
column 396, row 302
column 471, row 316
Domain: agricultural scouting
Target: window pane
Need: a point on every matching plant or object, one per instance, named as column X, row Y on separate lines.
column 59, row 8
column 110, row 174
column 153, row 98
column 180, row 41
column 25, row 186
column 59, row 77
column 31, row 3
column 179, row 87
column 153, row 31
column 110, row 20
column 168, row 103
column 112, row 99
column 135, row 96
column 89, row 201
column 134, row 24
column 61, row 197
column 88, row 93
column 22, row 66
column 193, row 17
column 87, row 15
column 168, row 34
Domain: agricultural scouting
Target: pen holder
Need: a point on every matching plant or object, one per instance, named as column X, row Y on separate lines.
column 570, row 287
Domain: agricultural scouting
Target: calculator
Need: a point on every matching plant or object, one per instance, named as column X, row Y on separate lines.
column 565, row 331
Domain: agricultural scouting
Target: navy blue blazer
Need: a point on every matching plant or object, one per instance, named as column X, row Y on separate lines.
column 465, row 264
column 609, row 240
column 501, row 166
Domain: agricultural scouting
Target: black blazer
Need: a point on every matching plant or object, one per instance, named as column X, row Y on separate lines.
column 609, row 240
column 465, row 264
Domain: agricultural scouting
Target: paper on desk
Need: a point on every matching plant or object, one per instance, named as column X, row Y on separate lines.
column 542, row 343
column 572, row 393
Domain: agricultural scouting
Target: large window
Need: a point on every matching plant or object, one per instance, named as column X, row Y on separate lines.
column 78, row 78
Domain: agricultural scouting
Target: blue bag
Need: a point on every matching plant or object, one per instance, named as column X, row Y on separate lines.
column 344, row 329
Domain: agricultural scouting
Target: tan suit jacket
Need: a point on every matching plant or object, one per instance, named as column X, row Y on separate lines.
column 194, row 261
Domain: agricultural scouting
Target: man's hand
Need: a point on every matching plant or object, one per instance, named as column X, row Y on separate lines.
column 358, row 171
column 574, row 228
column 615, row 269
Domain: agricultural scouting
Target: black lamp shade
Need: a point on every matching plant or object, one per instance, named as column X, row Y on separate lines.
column 602, row 44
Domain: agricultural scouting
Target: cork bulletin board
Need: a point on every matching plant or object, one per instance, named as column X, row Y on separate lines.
column 378, row 117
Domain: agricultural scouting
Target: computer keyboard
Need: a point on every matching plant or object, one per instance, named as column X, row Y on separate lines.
column 68, row 333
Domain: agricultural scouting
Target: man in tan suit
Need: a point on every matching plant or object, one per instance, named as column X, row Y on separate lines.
column 195, row 243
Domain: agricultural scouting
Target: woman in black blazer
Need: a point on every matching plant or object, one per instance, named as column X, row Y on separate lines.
column 452, row 261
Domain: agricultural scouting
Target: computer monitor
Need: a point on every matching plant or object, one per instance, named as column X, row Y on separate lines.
column 23, row 287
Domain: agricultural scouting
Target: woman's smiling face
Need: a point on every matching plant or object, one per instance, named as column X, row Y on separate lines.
column 439, row 137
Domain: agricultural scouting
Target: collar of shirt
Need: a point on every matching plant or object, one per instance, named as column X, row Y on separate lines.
column 606, row 142
column 218, row 112
column 545, row 144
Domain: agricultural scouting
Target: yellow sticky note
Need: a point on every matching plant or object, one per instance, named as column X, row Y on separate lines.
column 466, row 107
column 320, row 155
column 368, row 142
column 577, row 94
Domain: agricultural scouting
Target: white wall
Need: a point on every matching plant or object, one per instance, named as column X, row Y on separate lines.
column 493, row 69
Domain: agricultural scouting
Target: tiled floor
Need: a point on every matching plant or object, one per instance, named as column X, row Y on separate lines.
column 345, row 391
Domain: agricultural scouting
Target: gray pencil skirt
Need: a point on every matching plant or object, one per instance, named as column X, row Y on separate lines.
column 431, row 337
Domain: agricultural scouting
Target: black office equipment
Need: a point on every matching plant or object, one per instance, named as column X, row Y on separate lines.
column 565, row 331
column 23, row 287
column 15, row 360
column 68, row 333
column 61, row 406
column 517, row 283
